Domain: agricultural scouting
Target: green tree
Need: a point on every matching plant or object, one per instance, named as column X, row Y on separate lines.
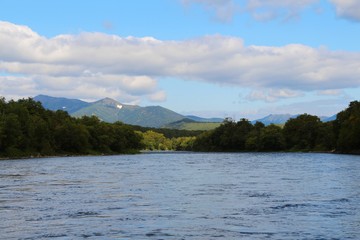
column 252, row 142
column 271, row 138
column 203, row 142
column 156, row 141
column 347, row 128
column 326, row 140
column 11, row 134
column 301, row 133
column 183, row 143
column 72, row 138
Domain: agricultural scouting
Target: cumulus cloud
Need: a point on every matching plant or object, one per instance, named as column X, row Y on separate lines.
column 272, row 95
column 270, row 9
column 349, row 9
column 95, row 65
column 264, row 10
column 259, row 9
column 223, row 9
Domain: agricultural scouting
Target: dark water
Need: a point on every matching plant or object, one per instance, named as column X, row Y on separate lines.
column 182, row 196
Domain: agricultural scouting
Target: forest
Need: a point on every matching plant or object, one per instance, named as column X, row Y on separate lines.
column 27, row 129
column 303, row 133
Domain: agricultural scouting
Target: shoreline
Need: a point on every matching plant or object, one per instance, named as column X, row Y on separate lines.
column 163, row 151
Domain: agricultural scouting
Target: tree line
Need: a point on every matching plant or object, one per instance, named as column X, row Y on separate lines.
column 28, row 129
column 303, row 133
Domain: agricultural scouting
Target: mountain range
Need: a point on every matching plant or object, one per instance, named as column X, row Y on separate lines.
column 110, row 110
column 283, row 118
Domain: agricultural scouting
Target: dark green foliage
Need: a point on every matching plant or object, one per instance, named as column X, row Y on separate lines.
column 72, row 138
column 302, row 133
column 271, row 139
column 229, row 136
column 326, row 139
column 347, row 129
column 27, row 129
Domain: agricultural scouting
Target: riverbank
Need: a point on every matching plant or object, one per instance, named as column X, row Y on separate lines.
column 166, row 152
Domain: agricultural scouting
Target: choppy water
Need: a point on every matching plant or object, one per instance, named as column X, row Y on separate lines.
column 182, row 196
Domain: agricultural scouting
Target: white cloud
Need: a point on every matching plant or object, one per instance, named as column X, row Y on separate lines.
column 272, row 95
column 95, row 65
column 224, row 9
column 349, row 9
column 261, row 10
column 264, row 10
column 270, row 9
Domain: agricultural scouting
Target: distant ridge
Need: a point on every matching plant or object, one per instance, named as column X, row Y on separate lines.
column 60, row 103
column 283, row 118
column 275, row 119
column 328, row 119
column 110, row 110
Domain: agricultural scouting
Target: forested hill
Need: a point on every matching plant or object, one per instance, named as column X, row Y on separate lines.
column 28, row 129
column 302, row 133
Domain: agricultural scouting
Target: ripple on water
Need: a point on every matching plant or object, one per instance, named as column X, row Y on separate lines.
column 292, row 206
column 158, row 233
column 181, row 196
column 83, row 214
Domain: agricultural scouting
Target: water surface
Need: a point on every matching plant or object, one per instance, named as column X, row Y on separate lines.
column 182, row 196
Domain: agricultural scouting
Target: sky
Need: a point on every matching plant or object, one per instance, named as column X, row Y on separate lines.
column 210, row 58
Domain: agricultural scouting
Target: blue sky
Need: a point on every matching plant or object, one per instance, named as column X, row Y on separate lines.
column 219, row 58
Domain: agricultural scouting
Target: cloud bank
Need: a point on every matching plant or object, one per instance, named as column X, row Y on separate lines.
column 349, row 9
column 270, row 9
column 94, row 65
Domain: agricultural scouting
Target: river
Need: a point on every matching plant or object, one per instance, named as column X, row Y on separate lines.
column 182, row 196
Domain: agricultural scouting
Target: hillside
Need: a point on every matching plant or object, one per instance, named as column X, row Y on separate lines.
column 109, row 110
column 59, row 103
column 274, row 119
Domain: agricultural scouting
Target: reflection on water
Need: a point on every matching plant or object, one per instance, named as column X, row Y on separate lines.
column 182, row 196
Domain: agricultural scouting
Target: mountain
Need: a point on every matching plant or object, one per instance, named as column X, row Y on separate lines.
column 328, row 119
column 59, row 103
column 200, row 119
column 282, row 119
column 275, row 119
column 109, row 110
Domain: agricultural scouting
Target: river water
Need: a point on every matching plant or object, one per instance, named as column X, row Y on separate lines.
column 182, row 196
